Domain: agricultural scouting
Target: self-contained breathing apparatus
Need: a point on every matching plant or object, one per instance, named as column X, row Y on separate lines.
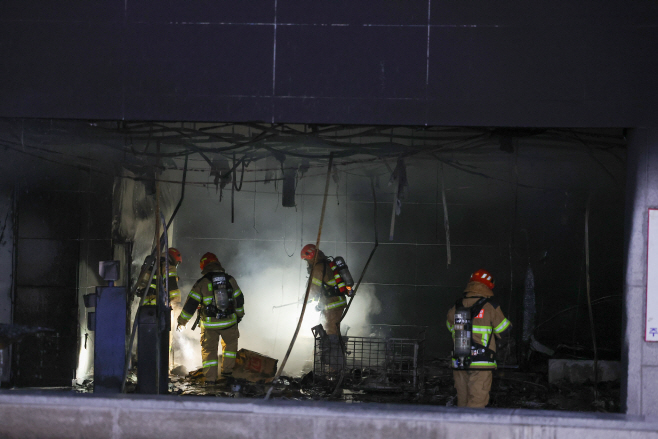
column 466, row 349
column 342, row 276
column 145, row 275
column 222, row 305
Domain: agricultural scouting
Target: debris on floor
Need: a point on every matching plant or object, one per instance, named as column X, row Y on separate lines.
column 511, row 388
column 581, row 371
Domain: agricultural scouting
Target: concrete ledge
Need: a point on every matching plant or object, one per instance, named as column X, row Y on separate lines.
column 48, row 415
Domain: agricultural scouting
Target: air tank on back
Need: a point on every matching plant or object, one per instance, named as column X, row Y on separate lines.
column 463, row 328
column 220, row 288
column 344, row 271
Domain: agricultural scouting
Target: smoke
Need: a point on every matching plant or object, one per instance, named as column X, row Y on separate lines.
column 268, row 330
column 261, row 251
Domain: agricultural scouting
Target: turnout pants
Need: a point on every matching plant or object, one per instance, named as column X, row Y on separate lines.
column 176, row 308
column 331, row 318
column 332, row 354
column 473, row 387
column 209, row 345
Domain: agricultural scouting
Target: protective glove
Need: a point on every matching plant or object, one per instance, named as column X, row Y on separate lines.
column 239, row 319
column 180, row 327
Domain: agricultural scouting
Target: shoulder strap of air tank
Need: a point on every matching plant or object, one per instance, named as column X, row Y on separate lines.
column 207, row 276
column 477, row 306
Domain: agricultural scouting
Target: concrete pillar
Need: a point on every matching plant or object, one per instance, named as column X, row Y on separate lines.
column 640, row 389
column 6, row 271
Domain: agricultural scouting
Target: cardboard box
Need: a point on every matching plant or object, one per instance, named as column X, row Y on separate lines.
column 254, row 367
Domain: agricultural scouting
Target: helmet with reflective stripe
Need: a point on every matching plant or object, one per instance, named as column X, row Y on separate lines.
column 484, row 277
column 308, row 252
column 175, row 254
column 206, row 259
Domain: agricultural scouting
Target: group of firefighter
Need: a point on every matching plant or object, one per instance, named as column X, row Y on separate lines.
column 475, row 321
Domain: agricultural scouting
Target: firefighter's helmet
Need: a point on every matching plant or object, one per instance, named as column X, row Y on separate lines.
column 308, row 252
column 206, row 259
column 484, row 277
column 175, row 255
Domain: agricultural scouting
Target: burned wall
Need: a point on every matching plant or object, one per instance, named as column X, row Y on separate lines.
column 61, row 183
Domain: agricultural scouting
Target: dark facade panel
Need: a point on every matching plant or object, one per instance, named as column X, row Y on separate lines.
column 200, row 60
column 70, row 11
column 541, row 66
column 199, row 108
column 65, row 69
column 512, row 64
column 584, row 13
column 362, row 111
column 357, row 62
column 202, row 11
column 375, row 12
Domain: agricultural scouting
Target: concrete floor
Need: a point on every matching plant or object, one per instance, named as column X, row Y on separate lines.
column 52, row 415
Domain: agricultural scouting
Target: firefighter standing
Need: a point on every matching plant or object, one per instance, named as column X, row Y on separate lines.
column 331, row 302
column 322, row 289
column 473, row 373
column 222, row 308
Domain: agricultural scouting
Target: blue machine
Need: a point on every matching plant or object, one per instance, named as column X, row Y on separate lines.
column 110, row 328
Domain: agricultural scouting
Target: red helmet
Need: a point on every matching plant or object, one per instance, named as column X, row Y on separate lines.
column 175, row 254
column 484, row 277
column 308, row 252
column 207, row 258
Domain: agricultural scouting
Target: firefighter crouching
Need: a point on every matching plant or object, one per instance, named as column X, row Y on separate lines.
column 329, row 289
column 476, row 321
column 221, row 309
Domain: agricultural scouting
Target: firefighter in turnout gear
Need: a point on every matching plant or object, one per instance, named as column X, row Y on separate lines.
column 175, row 258
column 323, row 280
column 221, row 307
column 476, row 322
column 326, row 286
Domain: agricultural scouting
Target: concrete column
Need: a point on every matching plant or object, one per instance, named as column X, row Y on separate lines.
column 640, row 389
column 6, row 270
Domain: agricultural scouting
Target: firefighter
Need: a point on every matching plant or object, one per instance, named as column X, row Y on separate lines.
column 175, row 259
column 221, row 307
column 473, row 373
column 330, row 302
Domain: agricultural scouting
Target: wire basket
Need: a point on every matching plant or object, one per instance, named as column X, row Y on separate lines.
column 370, row 363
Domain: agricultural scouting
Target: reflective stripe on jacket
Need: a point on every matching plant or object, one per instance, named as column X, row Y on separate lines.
column 321, row 273
column 202, row 293
column 489, row 321
column 174, row 291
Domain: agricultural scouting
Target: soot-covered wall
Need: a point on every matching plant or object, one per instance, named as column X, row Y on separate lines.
column 506, row 212
column 60, row 181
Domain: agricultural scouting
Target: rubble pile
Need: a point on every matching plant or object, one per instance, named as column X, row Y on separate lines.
column 510, row 389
